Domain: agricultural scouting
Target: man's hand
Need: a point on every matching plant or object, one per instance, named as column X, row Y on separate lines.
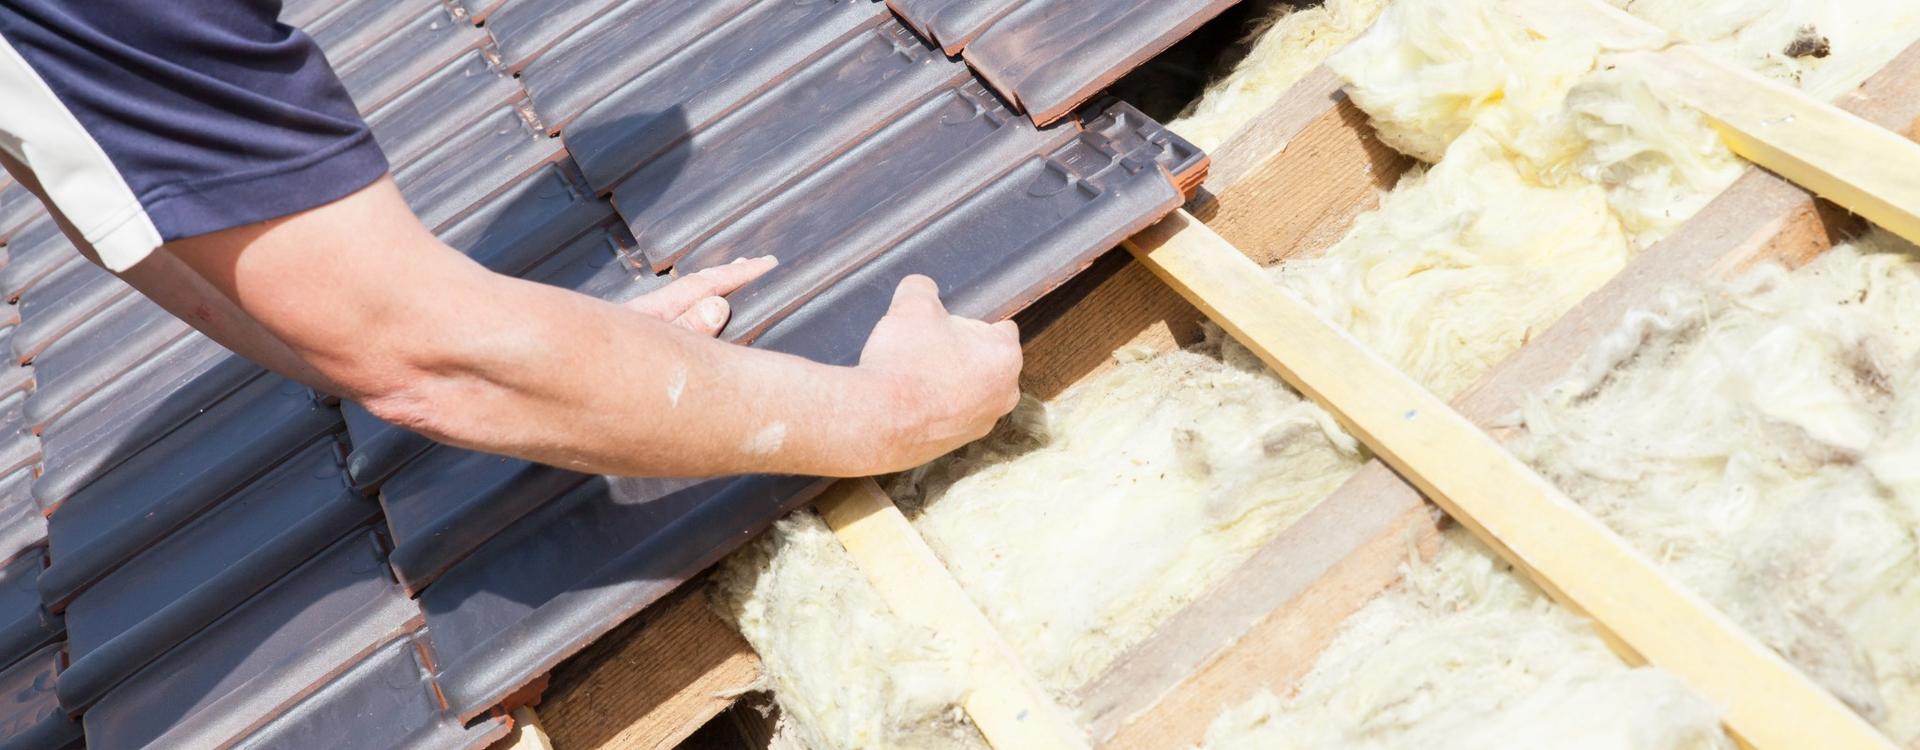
column 950, row 378
column 697, row 302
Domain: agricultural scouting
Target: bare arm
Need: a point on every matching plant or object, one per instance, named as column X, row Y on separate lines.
column 368, row 304
column 179, row 289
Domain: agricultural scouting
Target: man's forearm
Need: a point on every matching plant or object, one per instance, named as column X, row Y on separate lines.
column 371, row 303
column 584, row 384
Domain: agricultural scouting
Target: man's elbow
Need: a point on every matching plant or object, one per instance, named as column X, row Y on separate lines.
column 407, row 395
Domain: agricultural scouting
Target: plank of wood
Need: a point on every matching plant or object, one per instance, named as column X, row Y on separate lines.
column 653, row 682
column 1264, row 625
column 1261, row 628
column 1836, row 154
column 1289, row 184
column 749, row 725
column 1005, row 702
column 1840, row 156
column 1529, row 522
column 527, row 733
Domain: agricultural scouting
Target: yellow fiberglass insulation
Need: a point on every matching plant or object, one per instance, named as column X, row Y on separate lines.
column 1083, row 523
column 1757, row 439
column 814, row 621
column 1080, row 534
column 1762, row 445
column 1159, row 476
column 1288, row 45
column 1465, row 654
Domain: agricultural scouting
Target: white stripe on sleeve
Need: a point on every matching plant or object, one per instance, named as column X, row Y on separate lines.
column 37, row 129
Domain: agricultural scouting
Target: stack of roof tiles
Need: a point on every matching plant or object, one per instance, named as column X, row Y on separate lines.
column 204, row 554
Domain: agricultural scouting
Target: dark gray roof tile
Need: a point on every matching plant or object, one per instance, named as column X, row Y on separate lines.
column 473, row 165
column 1010, row 242
column 36, row 250
column 525, row 28
column 952, row 24
column 350, row 27
column 213, row 563
column 134, row 411
column 436, row 522
column 22, row 525
column 102, row 349
column 30, row 714
column 1050, row 56
column 65, row 299
column 123, row 511
column 18, row 207
column 718, row 173
column 578, row 566
column 261, row 659
column 670, row 67
column 412, row 123
column 387, row 700
column 25, row 626
column 424, row 40
column 532, row 218
column 882, row 192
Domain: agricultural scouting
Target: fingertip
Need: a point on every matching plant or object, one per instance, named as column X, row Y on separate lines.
column 921, row 283
column 714, row 311
column 916, row 291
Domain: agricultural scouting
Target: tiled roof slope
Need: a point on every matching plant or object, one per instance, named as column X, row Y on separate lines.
column 1049, row 56
column 203, row 554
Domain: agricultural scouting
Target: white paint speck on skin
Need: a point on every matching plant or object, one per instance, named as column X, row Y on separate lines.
column 676, row 385
column 768, row 440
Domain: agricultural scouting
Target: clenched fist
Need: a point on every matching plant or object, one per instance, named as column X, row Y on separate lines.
column 948, row 378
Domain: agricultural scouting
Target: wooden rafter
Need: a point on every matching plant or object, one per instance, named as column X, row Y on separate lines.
column 653, row 682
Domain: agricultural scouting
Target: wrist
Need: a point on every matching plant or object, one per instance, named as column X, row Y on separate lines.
column 868, row 429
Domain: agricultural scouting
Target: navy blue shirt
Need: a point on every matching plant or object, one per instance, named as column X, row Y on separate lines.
column 213, row 112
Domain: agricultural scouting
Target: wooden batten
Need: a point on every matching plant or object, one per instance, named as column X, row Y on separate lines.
column 1003, row 699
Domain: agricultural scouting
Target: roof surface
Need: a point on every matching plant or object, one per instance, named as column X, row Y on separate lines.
column 204, row 554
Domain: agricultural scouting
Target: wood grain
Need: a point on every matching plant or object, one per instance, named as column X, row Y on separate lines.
column 653, row 682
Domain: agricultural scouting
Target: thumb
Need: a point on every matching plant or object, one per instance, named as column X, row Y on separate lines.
column 917, row 295
column 706, row 317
